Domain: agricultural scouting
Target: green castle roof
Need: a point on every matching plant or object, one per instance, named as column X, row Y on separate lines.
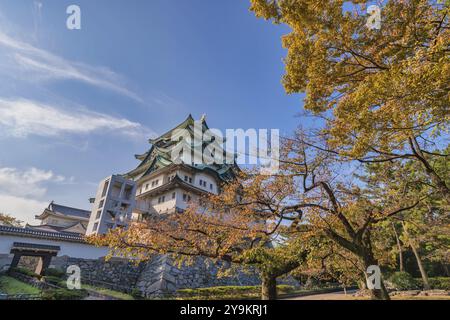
column 159, row 155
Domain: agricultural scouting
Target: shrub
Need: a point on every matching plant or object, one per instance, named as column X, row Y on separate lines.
column 230, row 291
column 403, row 281
column 284, row 288
column 441, row 283
column 135, row 293
column 26, row 272
column 64, row 294
column 54, row 280
column 53, row 272
column 311, row 283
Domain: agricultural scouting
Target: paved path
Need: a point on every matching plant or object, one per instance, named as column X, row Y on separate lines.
column 328, row 296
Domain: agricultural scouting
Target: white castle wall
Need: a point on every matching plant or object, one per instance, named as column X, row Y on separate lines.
column 70, row 249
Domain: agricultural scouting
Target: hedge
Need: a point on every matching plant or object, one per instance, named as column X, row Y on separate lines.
column 64, row 294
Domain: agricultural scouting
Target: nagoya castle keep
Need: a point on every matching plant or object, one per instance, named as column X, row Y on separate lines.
column 170, row 175
column 166, row 180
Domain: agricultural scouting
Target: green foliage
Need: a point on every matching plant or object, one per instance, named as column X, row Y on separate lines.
column 109, row 292
column 135, row 293
column 54, row 272
column 403, row 281
column 26, row 272
column 64, row 294
column 441, row 283
column 54, row 280
column 230, row 292
column 10, row 285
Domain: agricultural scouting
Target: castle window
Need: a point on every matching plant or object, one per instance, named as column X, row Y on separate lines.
column 201, row 182
column 173, row 195
column 190, row 180
column 105, row 188
column 99, row 212
column 210, row 186
column 186, row 178
column 204, row 184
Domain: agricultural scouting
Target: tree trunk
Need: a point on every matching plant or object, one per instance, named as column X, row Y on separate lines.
column 447, row 271
column 362, row 285
column 268, row 287
column 400, row 249
column 376, row 294
column 435, row 178
column 380, row 294
column 423, row 273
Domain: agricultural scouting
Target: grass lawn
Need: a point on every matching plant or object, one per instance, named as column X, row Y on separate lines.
column 10, row 285
column 109, row 292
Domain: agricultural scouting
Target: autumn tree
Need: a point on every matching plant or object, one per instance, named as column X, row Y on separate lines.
column 238, row 225
column 340, row 205
column 425, row 228
column 383, row 94
column 9, row 220
column 243, row 225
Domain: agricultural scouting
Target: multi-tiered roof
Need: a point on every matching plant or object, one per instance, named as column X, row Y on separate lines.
column 161, row 153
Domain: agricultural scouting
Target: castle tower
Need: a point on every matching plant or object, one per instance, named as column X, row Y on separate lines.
column 172, row 173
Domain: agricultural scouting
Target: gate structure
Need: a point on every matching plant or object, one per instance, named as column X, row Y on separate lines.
column 43, row 252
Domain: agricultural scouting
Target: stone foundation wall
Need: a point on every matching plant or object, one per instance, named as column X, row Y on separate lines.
column 206, row 273
column 157, row 277
column 161, row 276
column 118, row 274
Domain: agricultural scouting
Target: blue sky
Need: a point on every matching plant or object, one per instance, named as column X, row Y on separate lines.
column 76, row 105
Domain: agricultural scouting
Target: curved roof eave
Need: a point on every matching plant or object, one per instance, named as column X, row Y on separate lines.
column 188, row 121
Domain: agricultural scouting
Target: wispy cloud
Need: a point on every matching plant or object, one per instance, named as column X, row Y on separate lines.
column 37, row 17
column 22, row 191
column 21, row 208
column 21, row 118
column 42, row 64
column 27, row 183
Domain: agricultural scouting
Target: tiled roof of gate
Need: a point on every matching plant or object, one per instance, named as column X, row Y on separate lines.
column 34, row 246
column 25, row 232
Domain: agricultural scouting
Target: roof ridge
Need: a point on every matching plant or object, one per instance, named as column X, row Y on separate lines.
column 71, row 236
column 61, row 205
